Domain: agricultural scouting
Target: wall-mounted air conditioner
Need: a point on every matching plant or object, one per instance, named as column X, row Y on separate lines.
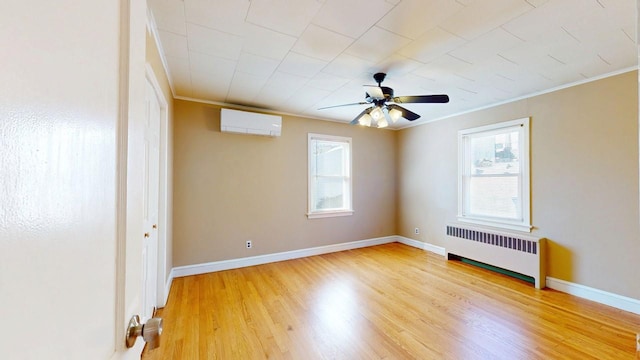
column 243, row 122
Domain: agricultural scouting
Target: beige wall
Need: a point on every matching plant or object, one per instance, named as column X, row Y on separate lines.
column 166, row 170
column 584, row 179
column 230, row 188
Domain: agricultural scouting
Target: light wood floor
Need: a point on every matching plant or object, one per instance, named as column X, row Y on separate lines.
column 385, row 302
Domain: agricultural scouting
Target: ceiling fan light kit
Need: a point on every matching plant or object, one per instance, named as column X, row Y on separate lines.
column 383, row 123
column 365, row 120
column 377, row 113
column 395, row 114
column 385, row 108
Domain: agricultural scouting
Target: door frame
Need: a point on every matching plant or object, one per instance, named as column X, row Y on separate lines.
column 163, row 279
column 128, row 175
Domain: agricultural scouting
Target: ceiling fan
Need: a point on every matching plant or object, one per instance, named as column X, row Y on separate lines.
column 385, row 106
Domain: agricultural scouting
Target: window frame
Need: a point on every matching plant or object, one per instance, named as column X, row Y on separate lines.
column 347, row 210
column 523, row 223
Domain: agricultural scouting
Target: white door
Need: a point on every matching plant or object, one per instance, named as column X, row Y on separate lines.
column 64, row 246
column 150, row 194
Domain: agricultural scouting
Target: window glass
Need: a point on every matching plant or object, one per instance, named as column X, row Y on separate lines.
column 494, row 175
column 329, row 176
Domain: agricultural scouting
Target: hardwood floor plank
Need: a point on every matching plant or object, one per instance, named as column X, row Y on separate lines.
column 385, row 302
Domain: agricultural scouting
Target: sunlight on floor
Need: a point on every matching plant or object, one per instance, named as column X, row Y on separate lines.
column 337, row 310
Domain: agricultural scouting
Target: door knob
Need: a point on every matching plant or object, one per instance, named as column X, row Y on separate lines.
column 150, row 331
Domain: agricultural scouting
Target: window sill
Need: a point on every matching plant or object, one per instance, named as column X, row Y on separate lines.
column 328, row 214
column 495, row 224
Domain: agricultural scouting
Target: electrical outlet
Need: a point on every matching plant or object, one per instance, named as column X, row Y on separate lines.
column 417, row 231
column 249, row 244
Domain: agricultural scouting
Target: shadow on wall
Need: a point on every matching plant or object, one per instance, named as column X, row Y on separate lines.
column 212, row 118
column 562, row 265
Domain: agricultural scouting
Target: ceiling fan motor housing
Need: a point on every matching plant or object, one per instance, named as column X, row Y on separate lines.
column 387, row 91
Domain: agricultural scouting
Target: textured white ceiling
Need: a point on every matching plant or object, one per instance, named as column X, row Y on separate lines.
column 295, row 56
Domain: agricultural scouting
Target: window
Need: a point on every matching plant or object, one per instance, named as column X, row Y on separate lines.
column 329, row 176
column 493, row 181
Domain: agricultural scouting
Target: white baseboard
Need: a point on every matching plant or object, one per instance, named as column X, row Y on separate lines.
column 269, row 258
column 599, row 296
column 422, row 245
column 167, row 288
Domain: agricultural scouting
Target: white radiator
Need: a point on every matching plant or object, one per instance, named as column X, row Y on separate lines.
column 519, row 253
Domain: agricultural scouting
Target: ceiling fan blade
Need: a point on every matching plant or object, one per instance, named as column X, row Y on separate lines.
column 440, row 99
column 334, row 106
column 406, row 113
column 355, row 120
column 375, row 92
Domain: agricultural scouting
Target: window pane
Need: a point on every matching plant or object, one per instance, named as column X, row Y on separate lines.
column 494, row 196
column 329, row 158
column 494, row 175
column 495, row 154
column 494, row 182
column 329, row 176
column 329, row 193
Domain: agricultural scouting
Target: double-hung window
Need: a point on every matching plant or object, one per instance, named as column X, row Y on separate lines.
column 493, row 181
column 329, row 176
